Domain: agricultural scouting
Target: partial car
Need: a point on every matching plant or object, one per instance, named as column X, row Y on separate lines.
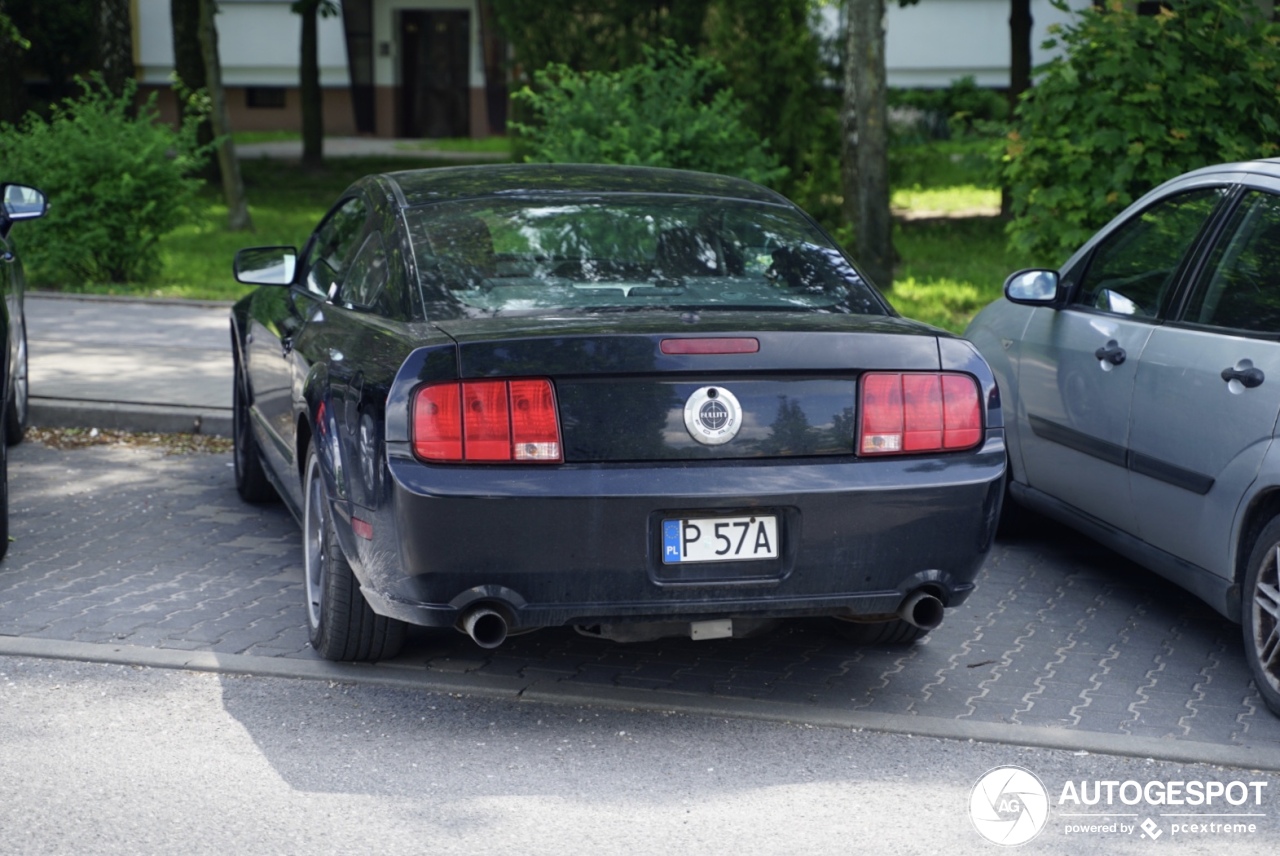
column 1142, row 383
column 17, row 202
column 638, row 402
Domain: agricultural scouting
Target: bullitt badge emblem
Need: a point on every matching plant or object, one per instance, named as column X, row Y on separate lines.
column 712, row 415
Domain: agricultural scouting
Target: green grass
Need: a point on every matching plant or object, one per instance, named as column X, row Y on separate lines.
column 950, row 266
column 964, row 199
column 487, row 145
column 285, row 203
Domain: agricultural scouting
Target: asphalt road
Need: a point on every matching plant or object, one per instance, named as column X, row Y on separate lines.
column 104, row 759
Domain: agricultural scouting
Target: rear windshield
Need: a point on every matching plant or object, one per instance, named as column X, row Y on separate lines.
column 507, row 257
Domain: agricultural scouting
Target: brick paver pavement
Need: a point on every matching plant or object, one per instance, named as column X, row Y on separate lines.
column 128, row 546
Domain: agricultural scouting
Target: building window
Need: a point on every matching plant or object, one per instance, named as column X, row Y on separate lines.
column 264, row 97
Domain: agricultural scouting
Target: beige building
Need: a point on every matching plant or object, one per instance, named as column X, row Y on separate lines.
column 390, row 68
column 434, row 68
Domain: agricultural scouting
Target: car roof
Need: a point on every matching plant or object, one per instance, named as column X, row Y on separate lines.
column 1265, row 166
column 445, row 184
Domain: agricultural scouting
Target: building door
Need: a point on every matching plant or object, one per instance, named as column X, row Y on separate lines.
column 435, row 73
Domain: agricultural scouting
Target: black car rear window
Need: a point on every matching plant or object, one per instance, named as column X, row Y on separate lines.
column 520, row 256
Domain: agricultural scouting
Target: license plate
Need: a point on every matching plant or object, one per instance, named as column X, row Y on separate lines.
column 719, row 539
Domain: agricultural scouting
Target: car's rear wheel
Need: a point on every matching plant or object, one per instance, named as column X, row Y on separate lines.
column 251, row 479
column 1260, row 615
column 894, row 632
column 341, row 624
column 15, row 415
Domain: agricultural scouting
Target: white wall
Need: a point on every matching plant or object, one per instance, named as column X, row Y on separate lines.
column 935, row 42
column 258, row 43
column 929, row 44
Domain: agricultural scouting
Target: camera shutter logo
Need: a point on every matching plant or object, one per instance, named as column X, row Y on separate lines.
column 713, row 415
column 1009, row 806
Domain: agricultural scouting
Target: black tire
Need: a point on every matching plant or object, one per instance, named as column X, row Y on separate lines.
column 894, row 632
column 251, row 479
column 1260, row 614
column 17, row 412
column 341, row 624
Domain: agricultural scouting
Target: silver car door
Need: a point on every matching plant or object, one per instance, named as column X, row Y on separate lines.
column 1208, row 393
column 1077, row 365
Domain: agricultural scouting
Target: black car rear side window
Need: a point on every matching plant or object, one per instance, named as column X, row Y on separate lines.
column 362, row 288
column 1239, row 288
column 333, row 244
column 1133, row 269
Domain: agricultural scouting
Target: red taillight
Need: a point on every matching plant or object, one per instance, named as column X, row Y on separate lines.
column 905, row 413
column 535, row 429
column 437, row 422
column 486, row 421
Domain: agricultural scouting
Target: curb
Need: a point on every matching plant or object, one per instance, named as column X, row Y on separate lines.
column 129, row 298
column 138, row 418
column 518, row 689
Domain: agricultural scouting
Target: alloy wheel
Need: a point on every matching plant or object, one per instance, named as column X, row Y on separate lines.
column 20, row 386
column 315, row 543
column 1266, row 618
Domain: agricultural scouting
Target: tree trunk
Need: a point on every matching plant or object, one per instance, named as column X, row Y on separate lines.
column 115, row 44
column 309, row 87
column 188, row 65
column 1019, row 71
column 865, row 153
column 13, row 89
column 238, row 219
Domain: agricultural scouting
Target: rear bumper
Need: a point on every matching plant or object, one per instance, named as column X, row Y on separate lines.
column 582, row 544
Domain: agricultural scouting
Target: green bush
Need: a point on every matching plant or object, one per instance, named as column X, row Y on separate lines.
column 671, row 110
column 1135, row 100
column 116, row 179
column 957, row 110
column 773, row 58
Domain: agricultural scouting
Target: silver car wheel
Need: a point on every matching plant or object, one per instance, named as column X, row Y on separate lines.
column 20, row 387
column 1265, row 620
column 314, row 543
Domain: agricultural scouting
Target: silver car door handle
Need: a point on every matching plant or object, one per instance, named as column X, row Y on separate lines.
column 1111, row 353
column 1249, row 378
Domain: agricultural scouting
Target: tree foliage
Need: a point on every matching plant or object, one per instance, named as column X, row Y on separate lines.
column 1135, row 100
column 595, row 35
column 116, row 180
column 773, row 60
column 671, row 110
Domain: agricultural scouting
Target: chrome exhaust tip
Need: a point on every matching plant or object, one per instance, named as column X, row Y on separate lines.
column 922, row 610
column 486, row 626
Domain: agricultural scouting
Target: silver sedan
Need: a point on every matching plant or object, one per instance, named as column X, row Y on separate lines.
column 1141, row 386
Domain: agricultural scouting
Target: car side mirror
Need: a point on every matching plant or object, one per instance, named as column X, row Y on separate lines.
column 1034, row 287
column 24, row 203
column 266, row 265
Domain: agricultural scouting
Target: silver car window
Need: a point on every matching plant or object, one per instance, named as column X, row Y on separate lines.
column 1132, row 269
column 1240, row 286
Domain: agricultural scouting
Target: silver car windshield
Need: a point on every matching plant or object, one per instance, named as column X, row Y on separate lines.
column 607, row 253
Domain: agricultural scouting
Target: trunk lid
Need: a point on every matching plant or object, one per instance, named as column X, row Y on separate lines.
column 620, row 398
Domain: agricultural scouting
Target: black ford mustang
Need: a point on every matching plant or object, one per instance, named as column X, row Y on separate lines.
column 640, row 402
